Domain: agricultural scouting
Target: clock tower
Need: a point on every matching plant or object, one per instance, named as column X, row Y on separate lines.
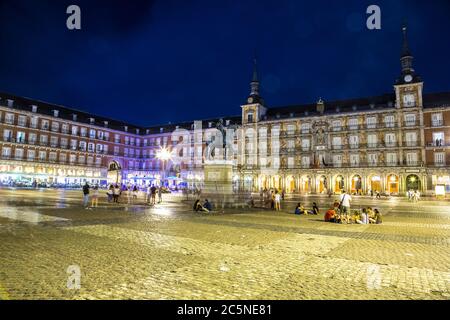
column 409, row 85
column 253, row 109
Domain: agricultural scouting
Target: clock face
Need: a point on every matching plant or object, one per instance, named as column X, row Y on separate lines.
column 408, row 78
column 250, row 100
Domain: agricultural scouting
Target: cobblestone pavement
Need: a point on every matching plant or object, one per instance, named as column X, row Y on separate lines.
column 168, row 252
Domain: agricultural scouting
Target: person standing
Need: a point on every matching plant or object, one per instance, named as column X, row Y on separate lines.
column 272, row 200
column 110, row 193
column 148, row 194
column 345, row 205
column 153, row 195
column 128, row 189
column 277, row 201
column 116, row 193
column 159, row 194
column 94, row 203
column 135, row 193
column 86, row 195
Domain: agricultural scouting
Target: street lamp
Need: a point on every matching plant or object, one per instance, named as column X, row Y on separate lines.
column 164, row 155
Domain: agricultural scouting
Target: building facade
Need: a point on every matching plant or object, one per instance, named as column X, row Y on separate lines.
column 389, row 143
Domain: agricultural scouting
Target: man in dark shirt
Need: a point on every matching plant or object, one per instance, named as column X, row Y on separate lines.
column 153, row 192
column 85, row 195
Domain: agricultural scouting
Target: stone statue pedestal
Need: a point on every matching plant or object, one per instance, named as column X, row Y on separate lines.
column 218, row 185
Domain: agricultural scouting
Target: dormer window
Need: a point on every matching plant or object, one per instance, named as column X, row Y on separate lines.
column 227, row 122
column 74, row 117
column 137, row 131
column 209, row 124
column 147, row 131
column 354, row 107
column 105, row 123
column 161, row 130
column 56, row 113
column 125, row 128
column 10, row 103
column 91, row 120
column 33, row 108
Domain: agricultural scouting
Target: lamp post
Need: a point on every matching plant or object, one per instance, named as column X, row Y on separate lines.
column 164, row 155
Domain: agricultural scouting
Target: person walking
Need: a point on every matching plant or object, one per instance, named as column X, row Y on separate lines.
column 94, row 203
column 345, row 205
column 86, row 195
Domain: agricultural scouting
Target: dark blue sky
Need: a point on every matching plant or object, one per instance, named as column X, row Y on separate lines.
column 151, row 62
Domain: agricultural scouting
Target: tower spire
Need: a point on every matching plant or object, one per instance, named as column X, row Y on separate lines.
column 408, row 74
column 405, row 46
column 254, row 84
column 255, row 71
column 406, row 57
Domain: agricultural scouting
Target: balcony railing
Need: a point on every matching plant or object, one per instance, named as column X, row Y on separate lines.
column 412, row 123
column 437, row 123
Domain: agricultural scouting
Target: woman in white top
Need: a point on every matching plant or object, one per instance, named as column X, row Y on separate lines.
column 277, row 202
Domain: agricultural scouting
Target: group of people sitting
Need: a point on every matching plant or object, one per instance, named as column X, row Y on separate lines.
column 337, row 215
column 205, row 207
column 300, row 209
column 364, row 216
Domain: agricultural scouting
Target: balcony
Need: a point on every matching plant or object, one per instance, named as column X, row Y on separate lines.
column 412, row 123
column 353, row 127
column 438, row 144
column 389, row 124
column 437, row 123
column 409, row 143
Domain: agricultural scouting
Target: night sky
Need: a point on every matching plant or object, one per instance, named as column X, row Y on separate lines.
column 154, row 62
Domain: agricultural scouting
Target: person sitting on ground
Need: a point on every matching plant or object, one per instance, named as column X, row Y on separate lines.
column 298, row 208
column 315, row 209
column 364, row 216
column 378, row 218
column 198, row 206
column 301, row 209
column 330, row 215
column 207, row 205
column 356, row 218
column 336, row 206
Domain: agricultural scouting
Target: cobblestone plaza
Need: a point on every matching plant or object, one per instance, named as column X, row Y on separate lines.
column 169, row 252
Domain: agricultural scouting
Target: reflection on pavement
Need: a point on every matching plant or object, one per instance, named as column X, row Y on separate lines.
column 21, row 214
